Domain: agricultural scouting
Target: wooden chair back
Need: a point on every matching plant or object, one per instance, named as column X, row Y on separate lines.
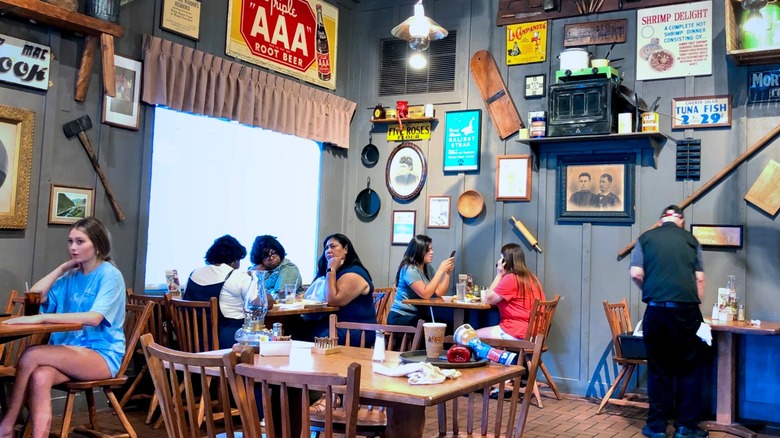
column 158, row 324
column 513, row 423
column 195, row 324
column 397, row 337
column 383, row 300
column 619, row 321
column 279, row 417
column 172, row 370
column 10, row 352
column 540, row 320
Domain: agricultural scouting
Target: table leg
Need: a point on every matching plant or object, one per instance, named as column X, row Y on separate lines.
column 726, row 394
column 458, row 317
column 405, row 421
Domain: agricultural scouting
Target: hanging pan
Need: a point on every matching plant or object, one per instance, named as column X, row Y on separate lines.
column 367, row 203
column 370, row 154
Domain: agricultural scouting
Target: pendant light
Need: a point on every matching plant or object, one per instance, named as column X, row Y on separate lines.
column 419, row 30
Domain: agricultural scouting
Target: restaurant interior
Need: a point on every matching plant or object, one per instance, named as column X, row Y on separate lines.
column 728, row 184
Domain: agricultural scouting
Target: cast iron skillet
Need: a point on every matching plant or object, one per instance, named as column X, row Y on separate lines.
column 367, row 203
column 370, row 154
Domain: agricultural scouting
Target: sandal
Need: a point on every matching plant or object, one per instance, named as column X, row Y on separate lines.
column 319, row 406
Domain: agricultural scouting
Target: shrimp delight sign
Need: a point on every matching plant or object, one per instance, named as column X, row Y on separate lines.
column 294, row 37
column 674, row 41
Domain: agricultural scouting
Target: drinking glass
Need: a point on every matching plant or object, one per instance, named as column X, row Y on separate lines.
column 289, row 293
column 460, row 292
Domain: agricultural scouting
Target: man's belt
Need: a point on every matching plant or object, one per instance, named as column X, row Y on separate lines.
column 670, row 304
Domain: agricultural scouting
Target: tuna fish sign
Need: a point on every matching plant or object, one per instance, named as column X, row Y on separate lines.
column 295, row 37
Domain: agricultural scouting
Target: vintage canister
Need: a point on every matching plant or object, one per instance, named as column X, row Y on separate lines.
column 538, row 126
column 650, row 122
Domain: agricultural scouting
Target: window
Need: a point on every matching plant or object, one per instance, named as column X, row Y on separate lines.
column 211, row 177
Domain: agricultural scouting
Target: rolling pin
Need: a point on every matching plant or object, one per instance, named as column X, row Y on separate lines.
column 527, row 234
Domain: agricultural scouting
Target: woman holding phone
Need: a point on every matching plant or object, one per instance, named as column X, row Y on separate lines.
column 416, row 278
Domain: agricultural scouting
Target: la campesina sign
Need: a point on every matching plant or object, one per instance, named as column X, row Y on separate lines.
column 294, row 37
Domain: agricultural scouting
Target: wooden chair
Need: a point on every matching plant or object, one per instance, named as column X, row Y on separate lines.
column 171, row 370
column 10, row 352
column 371, row 420
column 539, row 324
column 242, row 383
column 195, row 324
column 515, row 419
column 383, row 300
column 619, row 321
column 136, row 318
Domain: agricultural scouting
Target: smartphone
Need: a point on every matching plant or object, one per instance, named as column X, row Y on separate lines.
column 452, row 254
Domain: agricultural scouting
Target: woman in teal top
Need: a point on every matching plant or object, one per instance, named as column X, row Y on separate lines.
column 269, row 255
column 87, row 289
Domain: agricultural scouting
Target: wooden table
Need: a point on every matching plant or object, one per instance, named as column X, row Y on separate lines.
column 725, row 336
column 277, row 311
column 405, row 403
column 9, row 332
column 459, row 308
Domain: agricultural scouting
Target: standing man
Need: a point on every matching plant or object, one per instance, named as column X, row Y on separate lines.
column 605, row 198
column 667, row 265
column 583, row 198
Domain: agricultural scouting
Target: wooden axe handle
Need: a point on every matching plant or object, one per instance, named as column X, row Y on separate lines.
column 93, row 158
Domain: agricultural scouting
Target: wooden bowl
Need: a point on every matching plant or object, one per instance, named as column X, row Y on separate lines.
column 470, row 204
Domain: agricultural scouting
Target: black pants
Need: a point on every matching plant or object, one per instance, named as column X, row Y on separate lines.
column 675, row 357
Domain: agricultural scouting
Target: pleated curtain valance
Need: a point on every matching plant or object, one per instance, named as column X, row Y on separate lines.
column 190, row 80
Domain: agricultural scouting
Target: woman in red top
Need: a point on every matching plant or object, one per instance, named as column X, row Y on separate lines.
column 513, row 290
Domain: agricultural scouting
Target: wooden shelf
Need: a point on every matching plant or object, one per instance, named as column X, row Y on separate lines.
column 46, row 13
column 734, row 41
column 93, row 28
column 650, row 144
column 390, row 121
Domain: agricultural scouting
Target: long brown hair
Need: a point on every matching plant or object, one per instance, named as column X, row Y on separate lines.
column 98, row 234
column 514, row 263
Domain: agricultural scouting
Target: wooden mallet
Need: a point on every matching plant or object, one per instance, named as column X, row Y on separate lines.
column 78, row 128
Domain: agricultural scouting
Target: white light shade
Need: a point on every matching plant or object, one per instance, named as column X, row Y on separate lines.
column 419, row 29
column 418, row 61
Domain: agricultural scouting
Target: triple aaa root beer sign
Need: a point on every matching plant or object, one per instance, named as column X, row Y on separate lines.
column 294, row 37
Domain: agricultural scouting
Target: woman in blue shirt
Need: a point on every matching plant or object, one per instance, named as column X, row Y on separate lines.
column 417, row 279
column 86, row 289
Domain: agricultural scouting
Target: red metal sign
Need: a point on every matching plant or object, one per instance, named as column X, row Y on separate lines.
column 283, row 31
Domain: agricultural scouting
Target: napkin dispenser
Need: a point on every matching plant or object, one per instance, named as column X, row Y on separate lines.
column 275, row 348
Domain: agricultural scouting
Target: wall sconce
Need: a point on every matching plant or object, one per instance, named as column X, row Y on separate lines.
column 419, row 31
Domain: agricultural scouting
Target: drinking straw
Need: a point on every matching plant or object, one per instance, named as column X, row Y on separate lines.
column 432, row 318
column 27, row 286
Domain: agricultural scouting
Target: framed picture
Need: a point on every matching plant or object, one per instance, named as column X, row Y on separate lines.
column 124, row 110
column 462, row 137
column 513, row 178
column 181, row 17
column 727, row 236
column 596, row 188
column 403, row 226
column 701, row 112
column 439, row 208
column 68, row 205
column 17, row 127
column 535, row 85
column 405, row 171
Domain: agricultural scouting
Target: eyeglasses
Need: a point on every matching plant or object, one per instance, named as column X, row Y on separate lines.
column 270, row 254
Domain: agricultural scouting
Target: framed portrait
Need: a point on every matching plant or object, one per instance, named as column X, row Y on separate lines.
column 439, row 208
column 405, row 171
column 513, row 178
column 68, row 205
column 124, row 110
column 462, row 138
column 726, row 236
column 596, row 188
column 403, row 226
column 17, row 127
column 535, row 85
column 181, row 17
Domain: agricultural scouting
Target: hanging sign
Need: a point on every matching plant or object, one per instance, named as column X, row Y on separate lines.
column 595, row 32
column 181, row 17
column 526, row 43
column 674, row 41
column 462, row 134
column 764, row 86
column 24, row 63
column 294, row 37
column 410, row 131
column 701, row 112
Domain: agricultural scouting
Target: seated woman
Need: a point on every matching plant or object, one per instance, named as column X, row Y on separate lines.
column 219, row 279
column 348, row 285
column 269, row 255
column 417, row 279
column 86, row 289
column 513, row 290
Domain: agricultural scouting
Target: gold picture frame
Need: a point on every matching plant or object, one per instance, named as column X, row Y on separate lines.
column 17, row 127
column 68, row 205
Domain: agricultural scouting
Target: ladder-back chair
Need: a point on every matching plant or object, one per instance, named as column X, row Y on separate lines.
column 383, row 300
column 539, row 324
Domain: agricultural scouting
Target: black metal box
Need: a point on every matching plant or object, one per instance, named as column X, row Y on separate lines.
column 632, row 347
column 583, row 107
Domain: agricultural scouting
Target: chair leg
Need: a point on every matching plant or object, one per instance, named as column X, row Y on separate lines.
column 442, row 408
column 129, row 394
column 67, row 415
column 120, row 414
column 629, row 372
column 550, row 381
column 611, row 390
column 535, row 389
column 152, row 408
column 90, row 396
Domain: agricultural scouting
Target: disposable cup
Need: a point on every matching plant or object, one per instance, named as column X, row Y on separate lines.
column 434, row 339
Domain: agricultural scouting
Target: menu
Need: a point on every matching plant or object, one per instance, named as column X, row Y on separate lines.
column 674, row 41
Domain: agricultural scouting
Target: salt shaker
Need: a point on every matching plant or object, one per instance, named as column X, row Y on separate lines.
column 741, row 312
column 379, row 347
column 715, row 312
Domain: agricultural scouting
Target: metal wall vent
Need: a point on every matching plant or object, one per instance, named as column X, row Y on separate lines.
column 396, row 77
